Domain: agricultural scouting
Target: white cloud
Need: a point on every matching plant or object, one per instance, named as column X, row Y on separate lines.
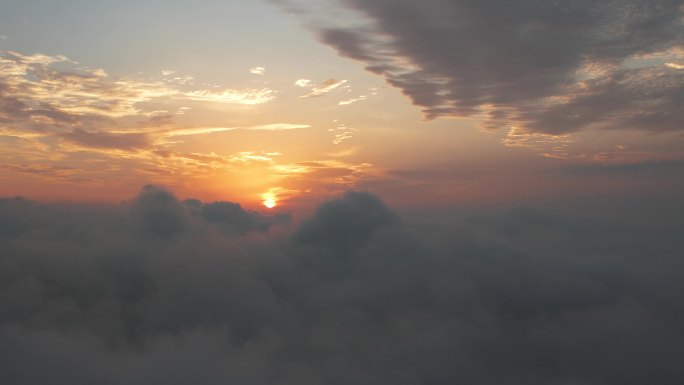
column 195, row 131
column 304, row 83
column 323, row 88
column 231, row 96
column 341, row 132
column 351, row 101
column 257, row 70
column 210, row 130
column 277, row 127
column 66, row 93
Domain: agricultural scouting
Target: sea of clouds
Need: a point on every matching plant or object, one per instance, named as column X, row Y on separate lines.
column 164, row 291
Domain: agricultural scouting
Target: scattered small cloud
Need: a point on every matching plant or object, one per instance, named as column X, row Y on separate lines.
column 257, row 70
column 278, row 127
column 250, row 157
column 341, row 132
column 230, row 96
column 346, row 152
column 304, row 83
column 371, row 92
column 210, row 130
column 192, row 131
column 547, row 145
column 319, row 90
column 352, row 100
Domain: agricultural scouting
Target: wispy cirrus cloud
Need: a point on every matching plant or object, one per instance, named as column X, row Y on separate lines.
column 136, row 139
column 55, row 90
column 547, row 145
column 106, row 140
column 189, row 131
column 352, row 100
column 371, row 91
column 62, row 113
column 276, row 127
column 341, row 131
column 61, row 121
column 251, row 96
column 321, row 89
column 50, row 171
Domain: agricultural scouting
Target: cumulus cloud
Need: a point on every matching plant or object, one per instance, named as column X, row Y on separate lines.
column 156, row 212
column 160, row 290
column 345, row 223
column 550, row 67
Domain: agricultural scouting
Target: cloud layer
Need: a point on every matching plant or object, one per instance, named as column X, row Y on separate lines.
column 167, row 291
column 551, row 67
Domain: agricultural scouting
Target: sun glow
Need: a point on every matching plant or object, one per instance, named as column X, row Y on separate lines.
column 269, row 200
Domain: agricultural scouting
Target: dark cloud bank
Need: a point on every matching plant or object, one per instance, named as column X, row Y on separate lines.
column 548, row 66
column 161, row 291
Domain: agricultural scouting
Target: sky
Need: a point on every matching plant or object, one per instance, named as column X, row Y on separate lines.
column 341, row 192
column 445, row 102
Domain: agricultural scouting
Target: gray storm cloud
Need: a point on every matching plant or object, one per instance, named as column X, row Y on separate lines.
column 161, row 290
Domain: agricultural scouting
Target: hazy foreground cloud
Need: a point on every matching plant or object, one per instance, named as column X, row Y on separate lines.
column 175, row 292
column 552, row 67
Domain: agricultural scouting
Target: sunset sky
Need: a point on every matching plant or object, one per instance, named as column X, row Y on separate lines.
column 341, row 192
column 423, row 104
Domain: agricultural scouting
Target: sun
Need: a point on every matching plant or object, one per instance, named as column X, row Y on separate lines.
column 269, row 200
column 270, row 203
